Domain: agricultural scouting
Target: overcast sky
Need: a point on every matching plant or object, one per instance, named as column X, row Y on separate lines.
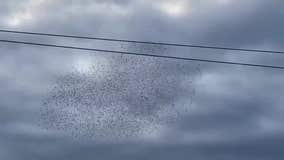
column 68, row 104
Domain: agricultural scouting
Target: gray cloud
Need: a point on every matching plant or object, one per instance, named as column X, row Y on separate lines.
column 236, row 113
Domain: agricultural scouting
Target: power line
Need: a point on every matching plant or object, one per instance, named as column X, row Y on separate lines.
column 144, row 42
column 142, row 54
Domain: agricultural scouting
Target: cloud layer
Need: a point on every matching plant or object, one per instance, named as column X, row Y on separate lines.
column 236, row 112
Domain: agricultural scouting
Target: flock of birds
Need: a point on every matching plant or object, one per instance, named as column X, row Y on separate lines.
column 127, row 97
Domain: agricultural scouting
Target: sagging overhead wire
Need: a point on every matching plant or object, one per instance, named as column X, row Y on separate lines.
column 145, row 42
column 142, row 54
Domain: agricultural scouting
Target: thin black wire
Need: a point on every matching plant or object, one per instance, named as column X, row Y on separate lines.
column 144, row 42
column 143, row 54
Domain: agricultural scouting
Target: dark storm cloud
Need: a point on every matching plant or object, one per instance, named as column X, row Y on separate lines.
column 236, row 114
column 256, row 147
